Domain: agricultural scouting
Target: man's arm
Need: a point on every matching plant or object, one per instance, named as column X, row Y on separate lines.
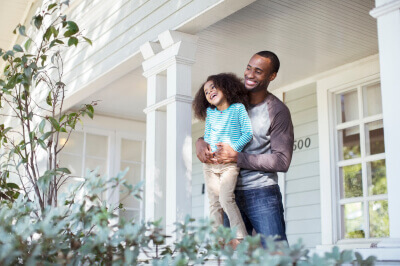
column 282, row 139
column 281, row 149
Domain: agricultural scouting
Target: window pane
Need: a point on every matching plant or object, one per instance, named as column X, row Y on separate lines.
column 129, row 214
column 352, row 214
column 133, row 176
column 377, row 177
column 70, row 185
column 96, row 145
column 347, row 106
column 74, row 144
column 351, row 181
column 72, row 162
column 131, row 150
column 374, row 137
column 379, row 218
column 372, row 100
column 92, row 164
column 349, row 143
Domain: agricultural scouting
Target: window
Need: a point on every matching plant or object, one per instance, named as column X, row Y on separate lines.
column 109, row 152
column 132, row 156
column 360, row 163
column 84, row 151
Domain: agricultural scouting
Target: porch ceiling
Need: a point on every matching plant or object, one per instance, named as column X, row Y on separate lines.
column 309, row 37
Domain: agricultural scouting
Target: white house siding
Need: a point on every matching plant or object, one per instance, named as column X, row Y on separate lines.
column 117, row 29
column 197, row 175
column 302, row 193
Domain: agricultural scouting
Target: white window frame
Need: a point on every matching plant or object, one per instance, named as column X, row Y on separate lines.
column 363, row 160
column 330, row 216
column 109, row 163
column 117, row 162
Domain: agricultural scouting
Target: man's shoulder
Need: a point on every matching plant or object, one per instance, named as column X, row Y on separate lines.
column 275, row 105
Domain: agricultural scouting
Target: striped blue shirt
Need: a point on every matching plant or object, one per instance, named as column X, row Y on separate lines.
column 231, row 126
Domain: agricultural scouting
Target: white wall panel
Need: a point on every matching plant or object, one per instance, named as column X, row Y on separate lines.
column 302, row 180
column 117, row 29
column 303, row 212
column 309, row 240
column 197, row 175
column 304, row 226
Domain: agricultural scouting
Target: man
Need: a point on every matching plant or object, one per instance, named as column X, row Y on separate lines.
column 270, row 151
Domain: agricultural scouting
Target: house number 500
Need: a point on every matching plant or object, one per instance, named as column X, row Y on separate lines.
column 301, row 144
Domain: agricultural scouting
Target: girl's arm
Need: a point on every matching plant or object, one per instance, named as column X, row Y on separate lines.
column 246, row 131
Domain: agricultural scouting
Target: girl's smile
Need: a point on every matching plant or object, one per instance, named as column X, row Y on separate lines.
column 215, row 96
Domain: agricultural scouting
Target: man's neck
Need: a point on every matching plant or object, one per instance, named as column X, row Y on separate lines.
column 258, row 97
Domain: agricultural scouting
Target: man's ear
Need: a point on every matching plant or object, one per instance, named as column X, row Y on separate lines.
column 272, row 76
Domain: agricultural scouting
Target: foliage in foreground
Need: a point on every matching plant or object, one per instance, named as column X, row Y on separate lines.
column 86, row 231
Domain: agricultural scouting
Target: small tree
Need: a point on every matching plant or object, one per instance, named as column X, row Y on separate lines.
column 32, row 94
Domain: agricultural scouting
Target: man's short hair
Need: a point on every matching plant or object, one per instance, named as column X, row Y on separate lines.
column 274, row 59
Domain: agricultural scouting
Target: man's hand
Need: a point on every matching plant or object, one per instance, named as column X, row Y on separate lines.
column 203, row 151
column 225, row 153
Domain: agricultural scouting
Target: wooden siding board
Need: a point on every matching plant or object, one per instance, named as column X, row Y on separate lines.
column 138, row 23
column 124, row 39
column 309, row 240
column 303, row 184
column 302, row 171
column 303, row 212
column 305, row 226
column 300, row 92
column 302, row 181
column 305, row 116
column 306, row 156
column 305, row 130
column 303, row 103
column 303, row 198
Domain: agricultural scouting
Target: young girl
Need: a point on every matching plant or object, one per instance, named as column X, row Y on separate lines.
column 221, row 101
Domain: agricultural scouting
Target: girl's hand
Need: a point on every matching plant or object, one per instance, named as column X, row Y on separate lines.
column 225, row 153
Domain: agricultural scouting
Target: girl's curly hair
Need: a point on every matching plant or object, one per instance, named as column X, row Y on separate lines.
column 231, row 86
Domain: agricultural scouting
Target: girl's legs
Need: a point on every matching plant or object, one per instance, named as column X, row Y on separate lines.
column 228, row 178
column 211, row 177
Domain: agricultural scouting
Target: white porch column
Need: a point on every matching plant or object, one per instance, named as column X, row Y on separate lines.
column 173, row 60
column 387, row 13
column 155, row 149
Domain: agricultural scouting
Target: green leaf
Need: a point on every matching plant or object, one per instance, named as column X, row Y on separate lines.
column 72, row 41
column 63, row 170
column 49, row 100
column 42, row 144
column 12, row 186
column 28, row 44
column 46, row 135
column 88, row 40
column 54, row 31
column 72, row 27
column 44, row 180
column 18, row 48
column 21, row 30
column 44, row 58
column 37, row 21
column 54, row 123
column 42, row 125
column 50, row 7
column 47, row 35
